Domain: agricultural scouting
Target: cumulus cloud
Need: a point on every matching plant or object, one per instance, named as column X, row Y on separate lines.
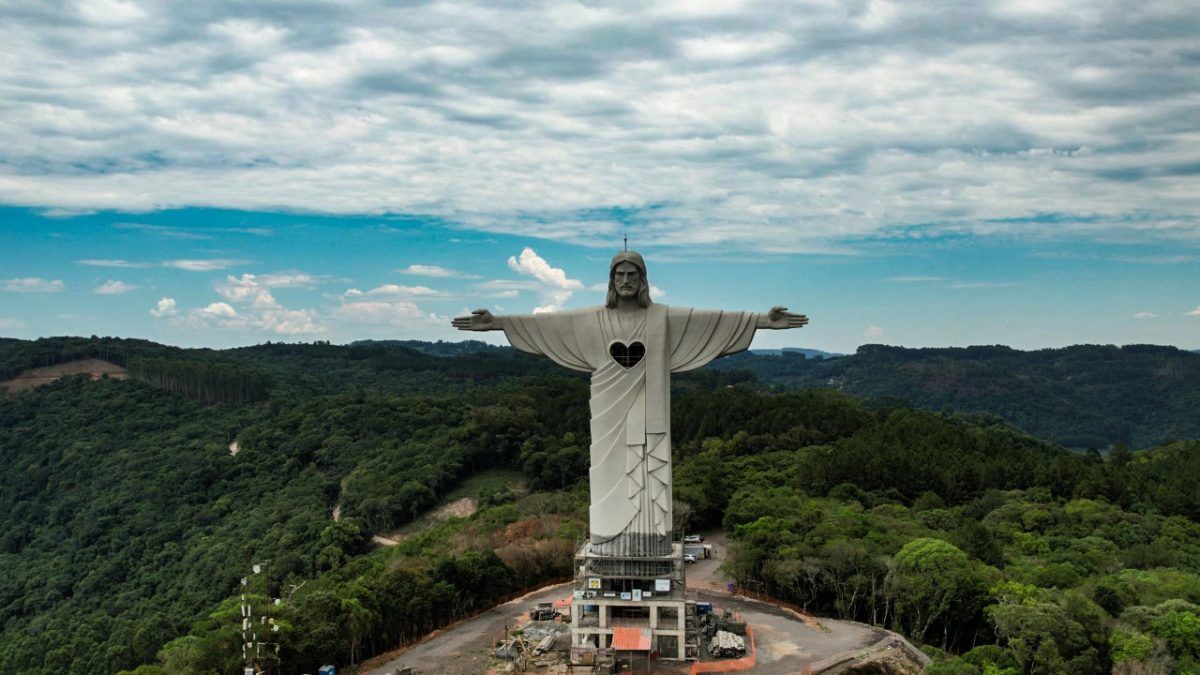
column 164, row 308
column 253, row 293
column 755, row 126
column 555, row 287
column 436, row 271
column 1194, row 312
column 115, row 287
column 34, row 285
column 391, row 312
column 219, row 310
column 873, row 332
column 248, row 304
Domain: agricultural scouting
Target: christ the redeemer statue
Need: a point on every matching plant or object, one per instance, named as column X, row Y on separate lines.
column 631, row 346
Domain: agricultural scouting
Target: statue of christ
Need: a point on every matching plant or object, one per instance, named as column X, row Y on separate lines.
column 631, row 346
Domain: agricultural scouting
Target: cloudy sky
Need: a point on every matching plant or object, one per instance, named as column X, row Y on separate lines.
column 221, row 173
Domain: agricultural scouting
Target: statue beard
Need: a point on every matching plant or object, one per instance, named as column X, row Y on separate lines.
column 643, row 296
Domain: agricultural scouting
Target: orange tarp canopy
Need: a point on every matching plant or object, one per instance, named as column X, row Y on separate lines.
column 562, row 602
column 631, row 639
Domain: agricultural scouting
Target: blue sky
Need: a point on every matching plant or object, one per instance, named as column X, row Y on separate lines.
column 1015, row 172
column 236, row 277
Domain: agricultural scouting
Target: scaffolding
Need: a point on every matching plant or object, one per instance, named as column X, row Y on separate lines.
column 647, row 592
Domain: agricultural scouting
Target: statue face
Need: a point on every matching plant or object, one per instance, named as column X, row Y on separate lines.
column 627, row 279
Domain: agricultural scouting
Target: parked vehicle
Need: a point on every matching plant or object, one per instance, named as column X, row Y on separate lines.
column 692, row 539
column 543, row 612
column 689, row 558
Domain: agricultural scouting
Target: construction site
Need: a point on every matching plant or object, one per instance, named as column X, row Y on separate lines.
column 575, row 627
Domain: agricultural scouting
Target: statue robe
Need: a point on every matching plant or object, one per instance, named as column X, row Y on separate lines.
column 631, row 406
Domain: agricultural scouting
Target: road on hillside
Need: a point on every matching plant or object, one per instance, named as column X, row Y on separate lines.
column 785, row 643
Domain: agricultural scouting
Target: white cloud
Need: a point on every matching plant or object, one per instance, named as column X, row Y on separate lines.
column 125, row 264
column 753, row 126
column 114, row 287
column 291, row 321
column 201, row 265
column 261, row 309
column 249, row 305
column 34, row 285
column 873, row 332
column 219, row 310
column 286, row 280
column 164, row 308
column 247, row 289
column 914, row 279
column 9, row 323
column 392, row 312
column 532, row 264
column 394, row 289
column 1194, row 312
column 205, row 265
column 556, row 288
column 1145, row 315
column 436, row 271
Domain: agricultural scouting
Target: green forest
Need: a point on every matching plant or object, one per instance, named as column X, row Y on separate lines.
column 126, row 521
column 1085, row 396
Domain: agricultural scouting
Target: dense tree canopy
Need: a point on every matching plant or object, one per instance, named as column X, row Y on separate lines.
column 127, row 519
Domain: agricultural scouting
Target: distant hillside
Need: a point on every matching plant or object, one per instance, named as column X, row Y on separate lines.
column 1086, row 396
column 809, row 353
column 439, row 348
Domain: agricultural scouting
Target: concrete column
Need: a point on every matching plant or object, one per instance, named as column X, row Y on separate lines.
column 604, row 616
column 680, row 617
column 576, row 612
column 654, row 616
column 682, row 648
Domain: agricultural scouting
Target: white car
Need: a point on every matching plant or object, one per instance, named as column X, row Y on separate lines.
column 692, row 539
column 689, row 558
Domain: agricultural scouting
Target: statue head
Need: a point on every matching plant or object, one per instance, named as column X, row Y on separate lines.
column 627, row 279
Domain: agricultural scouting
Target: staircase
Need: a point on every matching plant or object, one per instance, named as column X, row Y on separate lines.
column 691, row 631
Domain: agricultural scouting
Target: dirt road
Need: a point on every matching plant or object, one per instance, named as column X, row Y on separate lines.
column 464, row 648
column 785, row 643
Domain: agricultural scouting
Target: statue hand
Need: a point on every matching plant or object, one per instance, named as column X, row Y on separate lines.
column 779, row 318
column 480, row 319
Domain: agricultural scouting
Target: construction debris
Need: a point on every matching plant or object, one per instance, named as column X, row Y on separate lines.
column 727, row 645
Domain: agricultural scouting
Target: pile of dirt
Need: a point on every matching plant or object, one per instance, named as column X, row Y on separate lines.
column 459, row 508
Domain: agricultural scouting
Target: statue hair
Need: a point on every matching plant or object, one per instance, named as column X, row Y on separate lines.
column 643, row 296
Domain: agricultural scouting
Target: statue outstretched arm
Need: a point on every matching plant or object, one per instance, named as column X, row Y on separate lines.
column 480, row 319
column 779, row 319
column 555, row 335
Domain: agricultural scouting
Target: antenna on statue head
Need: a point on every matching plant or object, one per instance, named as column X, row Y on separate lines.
column 626, row 237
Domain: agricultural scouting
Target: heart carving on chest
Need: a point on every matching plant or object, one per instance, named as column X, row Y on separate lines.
column 627, row 355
